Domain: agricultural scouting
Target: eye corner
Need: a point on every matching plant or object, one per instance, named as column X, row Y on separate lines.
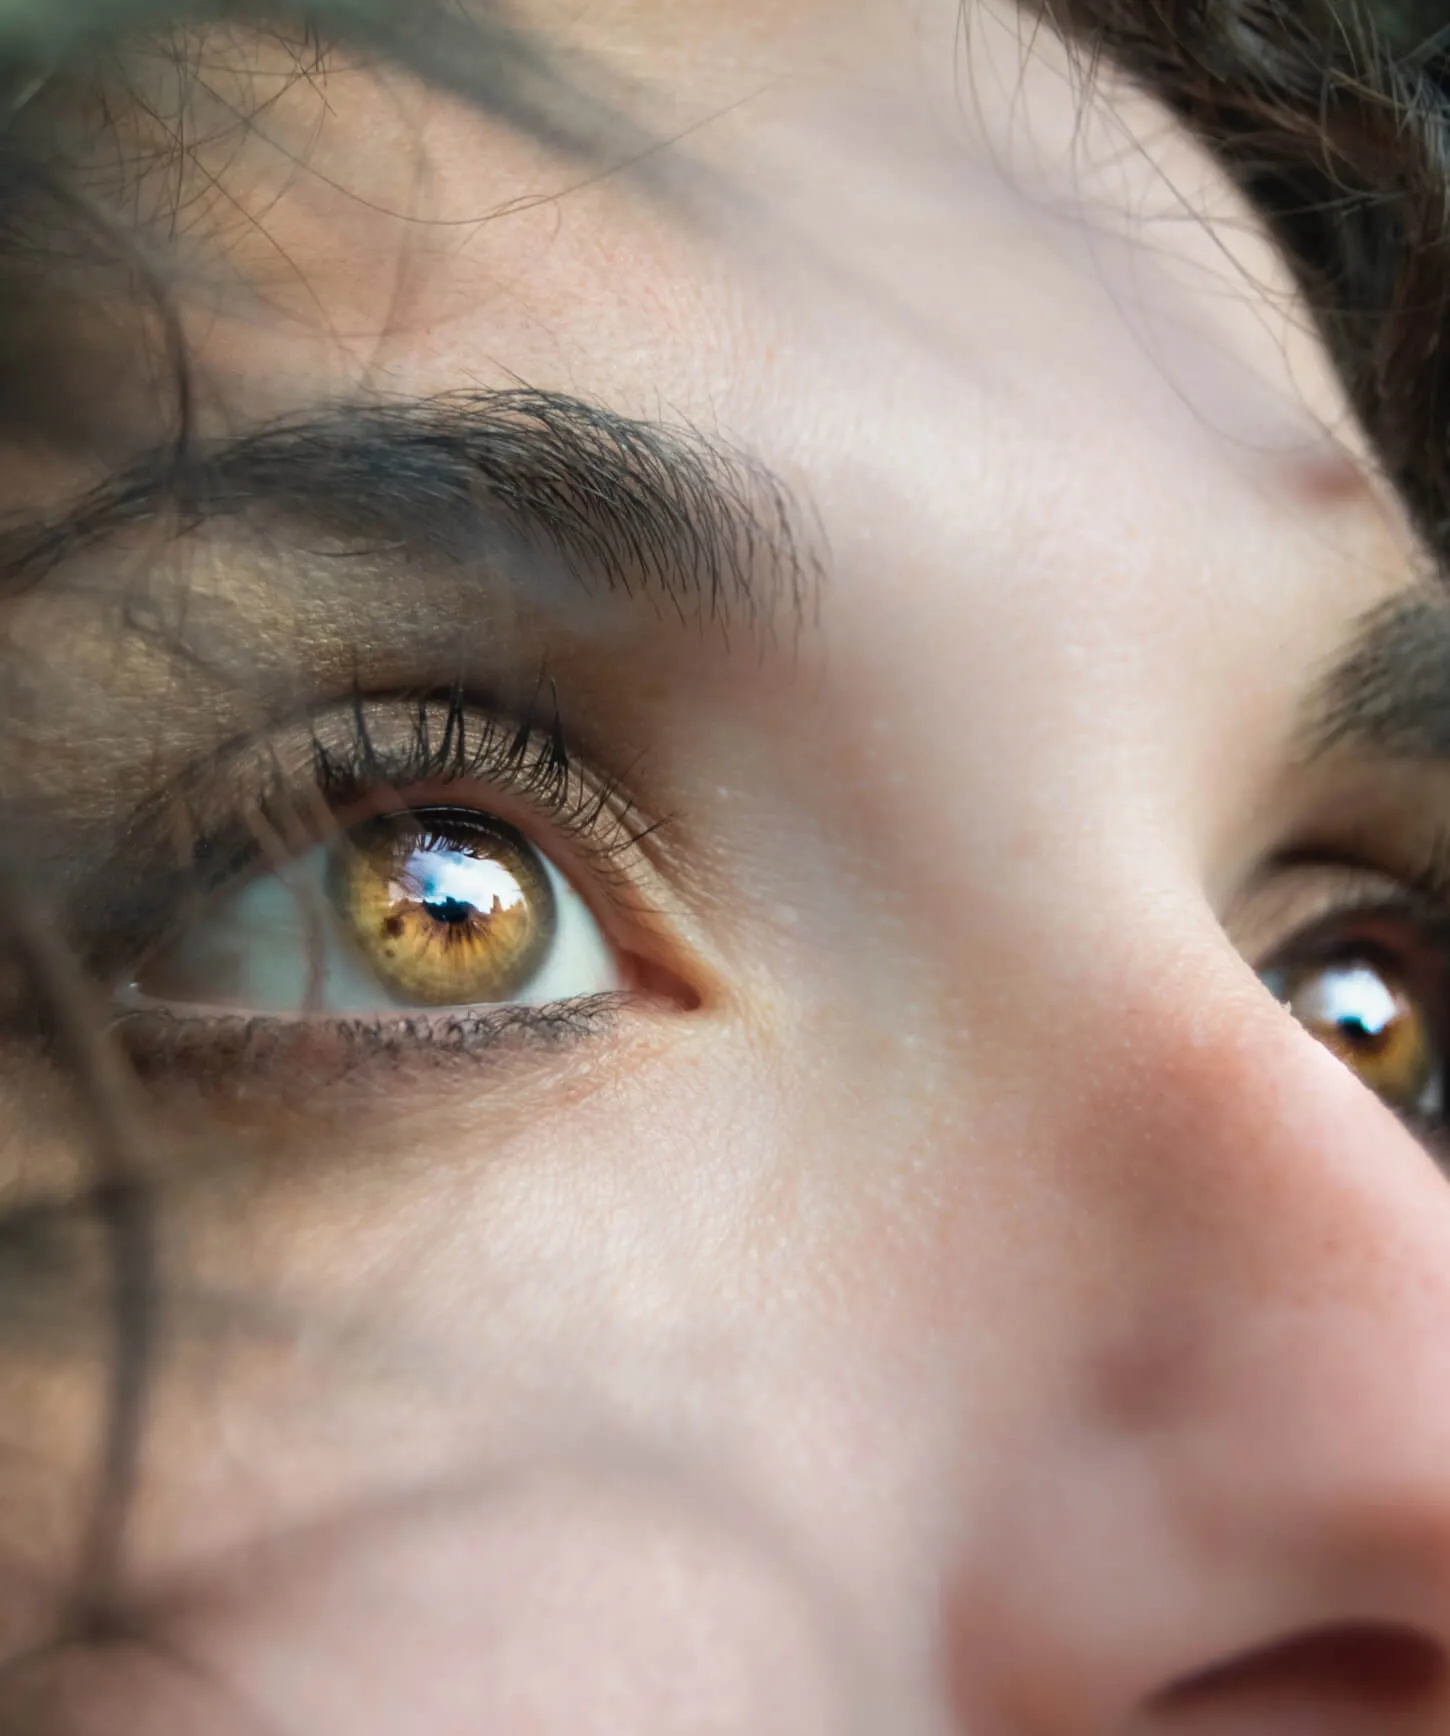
column 658, row 984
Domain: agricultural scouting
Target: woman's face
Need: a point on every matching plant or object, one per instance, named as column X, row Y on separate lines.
column 962, row 1269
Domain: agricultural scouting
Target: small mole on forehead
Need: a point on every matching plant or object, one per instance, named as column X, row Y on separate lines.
column 1329, row 476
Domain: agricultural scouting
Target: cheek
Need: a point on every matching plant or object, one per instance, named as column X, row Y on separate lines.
column 586, row 1595
column 635, row 1256
column 579, row 1597
column 600, row 1393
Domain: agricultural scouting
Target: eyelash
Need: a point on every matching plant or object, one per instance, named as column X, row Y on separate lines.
column 473, row 743
column 351, row 768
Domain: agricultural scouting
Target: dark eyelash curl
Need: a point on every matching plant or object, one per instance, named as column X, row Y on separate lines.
column 252, row 804
column 349, row 761
column 454, row 740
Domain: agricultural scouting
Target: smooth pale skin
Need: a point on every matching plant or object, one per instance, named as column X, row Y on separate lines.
column 988, row 1307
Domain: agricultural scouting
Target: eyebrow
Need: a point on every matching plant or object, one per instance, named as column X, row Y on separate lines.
column 647, row 513
column 1389, row 693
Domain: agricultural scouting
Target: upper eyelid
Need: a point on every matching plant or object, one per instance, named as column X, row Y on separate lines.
column 1305, row 891
column 344, row 750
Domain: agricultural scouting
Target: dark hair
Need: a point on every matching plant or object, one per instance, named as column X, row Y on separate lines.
column 1333, row 117
column 1335, row 120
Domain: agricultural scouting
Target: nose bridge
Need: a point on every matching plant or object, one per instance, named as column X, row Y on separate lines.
column 1269, row 1180
column 1243, row 1432
column 1292, row 1237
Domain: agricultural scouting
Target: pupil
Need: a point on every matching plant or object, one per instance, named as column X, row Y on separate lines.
column 1357, row 1033
column 450, row 910
column 456, row 888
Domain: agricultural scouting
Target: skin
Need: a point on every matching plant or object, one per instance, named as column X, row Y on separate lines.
column 958, row 1297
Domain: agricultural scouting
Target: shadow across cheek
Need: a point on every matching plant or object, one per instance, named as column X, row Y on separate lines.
column 570, row 1598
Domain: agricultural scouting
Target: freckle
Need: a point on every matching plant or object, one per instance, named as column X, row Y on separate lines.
column 392, row 926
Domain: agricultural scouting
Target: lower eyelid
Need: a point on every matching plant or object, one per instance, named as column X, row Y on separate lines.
column 278, row 1054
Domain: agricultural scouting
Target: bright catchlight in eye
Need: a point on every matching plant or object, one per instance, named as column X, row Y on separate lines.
column 424, row 908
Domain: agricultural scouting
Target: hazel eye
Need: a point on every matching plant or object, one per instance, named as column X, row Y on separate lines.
column 1375, row 1015
column 447, row 908
column 432, row 907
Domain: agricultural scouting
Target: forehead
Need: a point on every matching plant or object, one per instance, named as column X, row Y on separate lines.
column 846, row 192
column 1010, row 333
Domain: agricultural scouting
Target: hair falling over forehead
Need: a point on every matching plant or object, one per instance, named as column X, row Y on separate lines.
column 1333, row 117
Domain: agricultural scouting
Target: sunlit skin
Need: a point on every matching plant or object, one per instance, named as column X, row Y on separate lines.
column 956, row 1296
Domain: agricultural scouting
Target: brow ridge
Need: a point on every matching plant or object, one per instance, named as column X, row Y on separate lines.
column 646, row 512
column 1388, row 692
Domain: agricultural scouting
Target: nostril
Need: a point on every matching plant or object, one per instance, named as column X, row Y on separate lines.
column 1373, row 1664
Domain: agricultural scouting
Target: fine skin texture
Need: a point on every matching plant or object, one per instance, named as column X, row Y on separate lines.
column 948, row 1292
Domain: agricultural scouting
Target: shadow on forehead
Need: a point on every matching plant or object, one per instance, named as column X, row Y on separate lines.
column 142, row 164
column 473, row 49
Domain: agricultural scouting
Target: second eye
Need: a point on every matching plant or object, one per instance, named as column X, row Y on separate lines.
column 431, row 907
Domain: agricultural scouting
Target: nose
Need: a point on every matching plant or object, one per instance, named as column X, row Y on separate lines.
column 1228, row 1508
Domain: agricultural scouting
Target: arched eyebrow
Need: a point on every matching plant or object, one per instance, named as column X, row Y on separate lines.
column 649, row 514
column 1388, row 692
